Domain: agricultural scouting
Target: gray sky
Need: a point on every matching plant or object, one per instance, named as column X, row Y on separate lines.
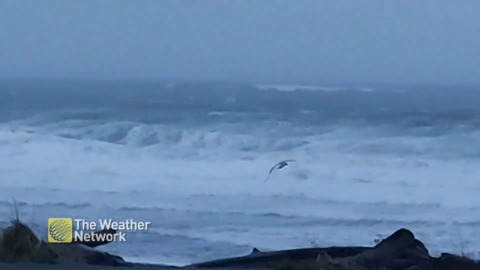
column 260, row 40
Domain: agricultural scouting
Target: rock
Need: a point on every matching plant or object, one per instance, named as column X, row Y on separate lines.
column 401, row 250
column 99, row 243
column 255, row 251
column 398, row 251
column 300, row 256
column 81, row 254
column 448, row 261
column 20, row 244
column 414, row 267
column 324, row 261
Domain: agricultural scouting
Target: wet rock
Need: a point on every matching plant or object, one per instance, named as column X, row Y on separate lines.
column 99, row 243
column 448, row 261
column 400, row 250
column 18, row 243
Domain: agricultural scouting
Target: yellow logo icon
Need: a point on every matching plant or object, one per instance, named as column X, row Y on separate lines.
column 60, row 230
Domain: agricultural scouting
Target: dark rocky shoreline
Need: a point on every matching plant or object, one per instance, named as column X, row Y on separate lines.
column 399, row 251
column 21, row 249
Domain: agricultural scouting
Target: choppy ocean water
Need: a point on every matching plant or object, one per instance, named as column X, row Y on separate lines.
column 192, row 159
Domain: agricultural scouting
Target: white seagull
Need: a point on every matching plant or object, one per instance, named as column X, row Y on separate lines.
column 278, row 166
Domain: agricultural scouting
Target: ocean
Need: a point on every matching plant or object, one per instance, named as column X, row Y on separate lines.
column 192, row 159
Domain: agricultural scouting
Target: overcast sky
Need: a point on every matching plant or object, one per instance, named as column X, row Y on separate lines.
column 258, row 40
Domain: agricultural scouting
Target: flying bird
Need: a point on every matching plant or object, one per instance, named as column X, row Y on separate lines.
column 278, row 166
